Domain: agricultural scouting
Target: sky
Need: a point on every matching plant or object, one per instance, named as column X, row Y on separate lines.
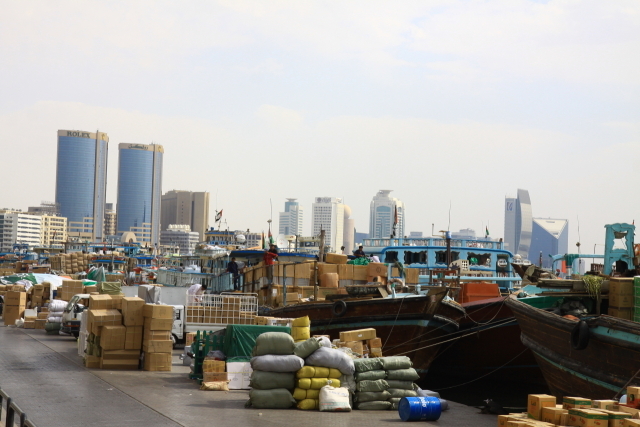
column 453, row 105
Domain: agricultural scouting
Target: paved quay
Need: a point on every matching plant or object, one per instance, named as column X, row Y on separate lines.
column 45, row 377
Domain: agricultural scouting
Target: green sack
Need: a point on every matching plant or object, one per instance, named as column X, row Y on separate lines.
column 403, row 375
column 370, row 396
column 375, row 385
column 364, row 365
column 371, row 375
column 404, row 385
column 359, row 261
column 110, row 288
column 400, row 393
column 306, row 348
column 273, row 343
column 374, row 406
column 395, row 362
column 395, row 401
column 262, row 380
column 278, row 398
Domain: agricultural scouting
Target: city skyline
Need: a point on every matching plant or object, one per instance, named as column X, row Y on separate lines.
column 485, row 93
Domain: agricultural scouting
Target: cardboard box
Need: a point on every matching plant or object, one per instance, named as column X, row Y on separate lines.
column 100, row 302
column 157, row 361
column 345, row 271
column 628, row 410
column 153, row 324
column 156, row 335
column 133, row 338
column 503, row 419
column 211, row 365
column 329, row 280
column 121, row 354
column 621, row 313
column 214, row 376
column 633, row 396
column 15, row 299
column 564, row 419
column 92, row 362
column 40, row 323
column 574, row 417
column 412, row 276
column 620, row 286
column 125, row 364
column 12, row 313
column 239, row 375
column 375, row 343
column 630, row 422
column 376, row 269
column 156, row 311
column 553, row 415
column 29, row 324
column 99, row 318
column 621, row 301
column 303, row 270
column 355, row 346
column 358, row 335
column 336, row 259
column 117, row 301
column 575, row 402
column 375, row 352
column 113, row 337
column 189, row 338
column 158, row 346
column 324, row 268
column 603, row 404
column 593, row 418
column 132, row 311
column 263, row 320
column 535, row 403
column 616, row 417
column 359, row 272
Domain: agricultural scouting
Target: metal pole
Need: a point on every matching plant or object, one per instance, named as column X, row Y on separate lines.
column 284, row 284
column 9, row 417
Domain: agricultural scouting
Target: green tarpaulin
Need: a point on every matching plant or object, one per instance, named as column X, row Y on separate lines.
column 17, row 277
column 359, row 261
column 239, row 340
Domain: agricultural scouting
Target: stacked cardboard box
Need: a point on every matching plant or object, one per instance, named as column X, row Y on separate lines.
column 213, row 370
column 362, row 341
column 41, row 320
column 15, row 303
column 621, row 297
column 30, row 322
column 157, row 344
column 40, row 294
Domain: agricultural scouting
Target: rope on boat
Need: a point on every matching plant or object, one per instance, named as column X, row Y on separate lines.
column 452, row 339
column 482, row 376
column 394, row 322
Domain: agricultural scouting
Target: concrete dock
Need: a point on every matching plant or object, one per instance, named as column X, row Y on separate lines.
column 45, row 377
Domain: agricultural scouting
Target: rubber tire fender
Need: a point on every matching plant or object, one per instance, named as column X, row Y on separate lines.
column 339, row 308
column 580, row 336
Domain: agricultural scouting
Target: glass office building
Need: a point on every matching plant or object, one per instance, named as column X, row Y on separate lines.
column 140, row 191
column 549, row 237
column 518, row 223
column 382, row 215
column 81, row 180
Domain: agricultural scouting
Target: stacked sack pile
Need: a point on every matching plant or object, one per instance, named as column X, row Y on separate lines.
column 311, row 379
column 56, row 310
column 301, row 329
column 382, row 382
column 274, row 371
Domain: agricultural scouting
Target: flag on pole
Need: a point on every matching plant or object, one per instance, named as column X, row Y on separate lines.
column 487, row 230
column 218, row 216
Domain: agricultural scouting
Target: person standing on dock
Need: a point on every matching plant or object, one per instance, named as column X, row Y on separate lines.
column 359, row 252
column 232, row 268
column 269, row 260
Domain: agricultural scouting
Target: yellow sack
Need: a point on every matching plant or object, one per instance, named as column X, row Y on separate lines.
column 302, row 321
column 318, row 383
column 313, row 394
column 306, row 372
column 334, row 382
column 308, row 404
column 334, row 373
column 300, row 333
column 300, row 394
column 304, row 383
column 215, row 386
column 321, row 372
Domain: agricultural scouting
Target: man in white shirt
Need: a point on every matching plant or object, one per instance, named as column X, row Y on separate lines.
column 195, row 292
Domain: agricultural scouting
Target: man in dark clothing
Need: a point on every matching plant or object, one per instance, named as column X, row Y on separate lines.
column 359, row 252
column 232, row 268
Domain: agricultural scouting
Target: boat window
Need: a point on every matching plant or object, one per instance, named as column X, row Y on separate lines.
column 483, row 260
column 417, row 257
column 441, row 256
column 619, row 241
column 391, row 256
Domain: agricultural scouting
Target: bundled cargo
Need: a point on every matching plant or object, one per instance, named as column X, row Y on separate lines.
column 301, row 329
column 382, row 382
column 274, row 366
column 310, row 381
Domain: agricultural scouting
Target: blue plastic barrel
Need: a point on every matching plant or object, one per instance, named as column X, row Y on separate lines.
column 419, row 408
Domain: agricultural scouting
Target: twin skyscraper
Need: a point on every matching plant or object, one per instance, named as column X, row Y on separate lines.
column 81, row 186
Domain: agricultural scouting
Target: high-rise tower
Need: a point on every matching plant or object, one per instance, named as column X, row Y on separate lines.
column 518, row 223
column 140, row 191
column 81, row 182
column 187, row 208
column 290, row 222
column 328, row 214
column 382, row 215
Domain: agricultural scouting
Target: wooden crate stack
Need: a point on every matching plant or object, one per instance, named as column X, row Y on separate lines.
column 157, row 344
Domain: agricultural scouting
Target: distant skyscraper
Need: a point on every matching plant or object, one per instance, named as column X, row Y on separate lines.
column 19, row 227
column 349, row 232
column 186, row 207
column 382, row 214
column 549, row 237
column 140, row 191
column 328, row 214
column 291, row 219
column 518, row 222
column 81, row 181
column 110, row 223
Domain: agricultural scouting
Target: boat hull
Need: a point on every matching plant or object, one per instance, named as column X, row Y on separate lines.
column 599, row 371
column 407, row 326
